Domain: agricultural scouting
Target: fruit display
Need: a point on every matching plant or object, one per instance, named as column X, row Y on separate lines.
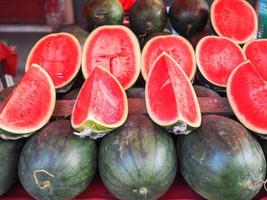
column 138, row 160
column 170, row 98
column 221, row 160
column 56, row 164
column 104, row 100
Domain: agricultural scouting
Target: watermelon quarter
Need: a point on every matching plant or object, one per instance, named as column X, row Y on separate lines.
column 115, row 48
column 170, row 98
column 101, row 105
column 29, row 106
column 60, row 55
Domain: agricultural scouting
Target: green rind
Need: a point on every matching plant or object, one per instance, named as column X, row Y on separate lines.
column 147, row 17
column 9, row 156
column 136, row 156
column 59, row 157
column 221, row 160
column 103, row 12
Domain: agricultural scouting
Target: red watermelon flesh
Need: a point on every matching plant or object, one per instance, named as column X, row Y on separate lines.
column 247, row 94
column 170, row 97
column 115, row 48
column 60, row 55
column 30, row 104
column 176, row 46
column 217, row 57
column 235, row 19
column 256, row 52
column 101, row 102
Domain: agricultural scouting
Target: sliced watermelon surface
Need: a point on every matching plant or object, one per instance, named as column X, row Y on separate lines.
column 234, row 19
column 30, row 104
column 115, row 48
column 256, row 52
column 101, row 104
column 59, row 54
column 217, row 57
column 170, row 98
column 176, row 46
column 246, row 92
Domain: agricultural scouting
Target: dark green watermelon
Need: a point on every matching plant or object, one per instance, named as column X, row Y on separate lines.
column 147, row 17
column 202, row 91
column 9, row 156
column 138, row 161
column 221, row 160
column 103, row 12
column 56, row 164
column 72, row 94
column 75, row 30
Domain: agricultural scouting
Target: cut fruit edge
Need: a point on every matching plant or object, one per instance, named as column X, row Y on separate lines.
column 199, row 66
column 92, row 127
column 216, row 29
column 12, row 133
column 233, row 105
column 145, row 49
column 64, row 86
column 180, row 119
column 136, row 51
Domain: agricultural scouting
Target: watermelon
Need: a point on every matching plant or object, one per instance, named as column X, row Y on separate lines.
column 246, row 92
column 221, row 160
column 136, row 92
column 236, row 20
column 176, row 46
column 103, row 12
column 101, row 105
column 147, row 17
column 127, row 4
column 202, row 91
column 55, row 164
column 171, row 101
column 256, row 52
column 138, row 160
column 71, row 95
column 60, row 55
column 216, row 58
column 189, row 17
column 29, row 106
column 9, row 156
column 75, row 30
column 115, row 48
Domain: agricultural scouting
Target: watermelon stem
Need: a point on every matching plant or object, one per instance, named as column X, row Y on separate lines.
column 143, row 191
column 46, row 183
column 251, row 186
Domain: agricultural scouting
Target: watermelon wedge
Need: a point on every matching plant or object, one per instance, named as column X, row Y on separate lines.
column 176, row 46
column 170, row 98
column 217, row 57
column 101, row 105
column 60, row 55
column 236, row 20
column 29, row 106
column 115, row 48
column 246, row 92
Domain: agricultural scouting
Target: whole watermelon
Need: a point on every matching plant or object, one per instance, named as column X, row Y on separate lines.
column 221, row 160
column 56, row 164
column 9, row 156
column 138, row 160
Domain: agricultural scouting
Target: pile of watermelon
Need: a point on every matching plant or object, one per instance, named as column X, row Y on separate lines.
column 186, row 59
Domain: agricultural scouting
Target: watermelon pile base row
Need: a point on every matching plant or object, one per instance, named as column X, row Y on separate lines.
column 97, row 191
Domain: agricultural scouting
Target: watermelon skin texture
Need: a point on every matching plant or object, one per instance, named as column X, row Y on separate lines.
column 221, row 160
column 9, row 156
column 138, row 160
column 55, row 164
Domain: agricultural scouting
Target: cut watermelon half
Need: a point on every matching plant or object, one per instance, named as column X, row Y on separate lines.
column 29, row 106
column 234, row 19
column 246, row 92
column 217, row 57
column 60, row 55
column 170, row 98
column 176, row 46
column 115, row 48
column 101, row 105
column 256, row 52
